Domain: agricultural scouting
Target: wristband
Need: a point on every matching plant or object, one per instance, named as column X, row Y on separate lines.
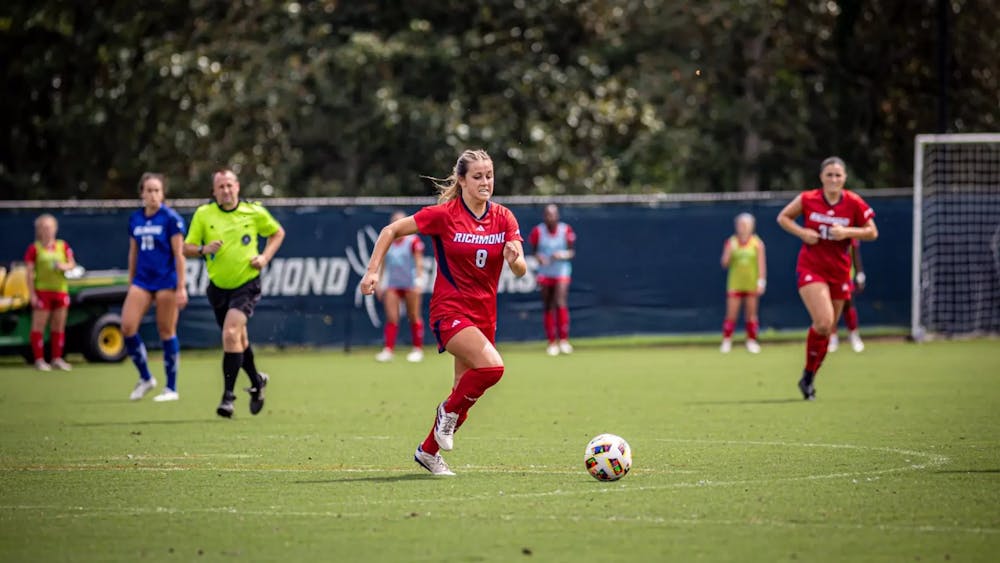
column 201, row 250
column 761, row 283
column 860, row 277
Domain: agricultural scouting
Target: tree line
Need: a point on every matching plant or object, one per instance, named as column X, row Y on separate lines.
column 365, row 98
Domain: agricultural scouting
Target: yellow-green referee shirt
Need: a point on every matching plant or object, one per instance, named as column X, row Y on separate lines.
column 238, row 230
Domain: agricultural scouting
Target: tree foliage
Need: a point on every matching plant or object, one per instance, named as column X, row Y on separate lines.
column 365, row 98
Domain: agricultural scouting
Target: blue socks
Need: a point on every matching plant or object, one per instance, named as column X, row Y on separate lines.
column 171, row 357
column 137, row 351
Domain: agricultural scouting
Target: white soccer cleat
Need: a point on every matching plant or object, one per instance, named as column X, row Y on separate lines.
column 167, row 395
column 834, row 343
column 753, row 347
column 142, row 387
column 553, row 349
column 565, row 347
column 444, row 428
column 62, row 364
column 417, row 355
column 726, row 345
column 856, row 344
column 42, row 365
column 433, row 463
column 384, row 356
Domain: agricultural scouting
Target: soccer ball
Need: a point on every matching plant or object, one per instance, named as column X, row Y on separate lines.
column 608, row 457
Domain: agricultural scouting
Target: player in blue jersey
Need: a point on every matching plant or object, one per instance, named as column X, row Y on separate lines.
column 554, row 243
column 156, row 274
column 402, row 276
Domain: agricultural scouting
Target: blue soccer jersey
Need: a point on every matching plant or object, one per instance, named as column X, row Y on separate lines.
column 155, row 268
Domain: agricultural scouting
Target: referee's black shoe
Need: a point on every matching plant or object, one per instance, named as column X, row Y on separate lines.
column 225, row 408
column 257, row 394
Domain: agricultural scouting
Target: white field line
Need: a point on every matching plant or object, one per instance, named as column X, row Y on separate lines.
column 930, row 460
column 103, row 464
column 540, row 470
column 278, row 512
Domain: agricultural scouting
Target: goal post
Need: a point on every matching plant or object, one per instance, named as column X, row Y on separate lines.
column 956, row 235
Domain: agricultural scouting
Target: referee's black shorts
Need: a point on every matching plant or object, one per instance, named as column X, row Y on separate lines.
column 243, row 298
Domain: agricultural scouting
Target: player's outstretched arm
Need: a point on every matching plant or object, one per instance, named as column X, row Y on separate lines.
column 399, row 228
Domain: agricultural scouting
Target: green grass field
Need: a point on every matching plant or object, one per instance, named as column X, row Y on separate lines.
column 898, row 460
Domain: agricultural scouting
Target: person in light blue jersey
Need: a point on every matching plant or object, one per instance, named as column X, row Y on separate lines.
column 403, row 278
column 554, row 243
column 156, row 274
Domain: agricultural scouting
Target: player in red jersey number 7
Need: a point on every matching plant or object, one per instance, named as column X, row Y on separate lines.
column 473, row 238
column 832, row 217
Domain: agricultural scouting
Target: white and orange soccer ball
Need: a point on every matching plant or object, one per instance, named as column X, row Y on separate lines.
column 608, row 457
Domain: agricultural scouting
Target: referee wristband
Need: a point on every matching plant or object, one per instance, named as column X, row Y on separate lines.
column 761, row 283
column 201, row 250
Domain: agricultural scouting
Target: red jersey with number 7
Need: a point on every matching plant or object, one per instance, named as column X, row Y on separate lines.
column 830, row 258
column 469, row 254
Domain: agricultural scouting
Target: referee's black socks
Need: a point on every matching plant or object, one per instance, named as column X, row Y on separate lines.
column 249, row 366
column 231, row 362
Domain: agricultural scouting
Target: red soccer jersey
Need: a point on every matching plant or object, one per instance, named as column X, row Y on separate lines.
column 469, row 254
column 828, row 257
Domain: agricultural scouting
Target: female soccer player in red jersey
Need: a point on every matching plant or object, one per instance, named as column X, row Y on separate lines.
column 832, row 217
column 473, row 237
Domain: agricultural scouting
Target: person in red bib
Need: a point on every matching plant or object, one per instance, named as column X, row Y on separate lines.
column 473, row 238
column 48, row 259
column 832, row 218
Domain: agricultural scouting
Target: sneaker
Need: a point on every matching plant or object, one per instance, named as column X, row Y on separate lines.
column 142, row 387
column 433, row 463
column 444, row 428
column 42, row 365
column 553, row 349
column 257, row 394
column 62, row 364
column 384, row 356
column 565, row 347
column 834, row 343
column 753, row 347
column 167, row 395
column 225, row 408
column 417, row 355
column 807, row 389
column 726, row 346
column 856, row 344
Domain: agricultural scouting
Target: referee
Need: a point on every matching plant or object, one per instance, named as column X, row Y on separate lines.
column 225, row 234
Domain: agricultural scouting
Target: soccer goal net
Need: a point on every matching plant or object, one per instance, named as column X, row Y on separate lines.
column 956, row 235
